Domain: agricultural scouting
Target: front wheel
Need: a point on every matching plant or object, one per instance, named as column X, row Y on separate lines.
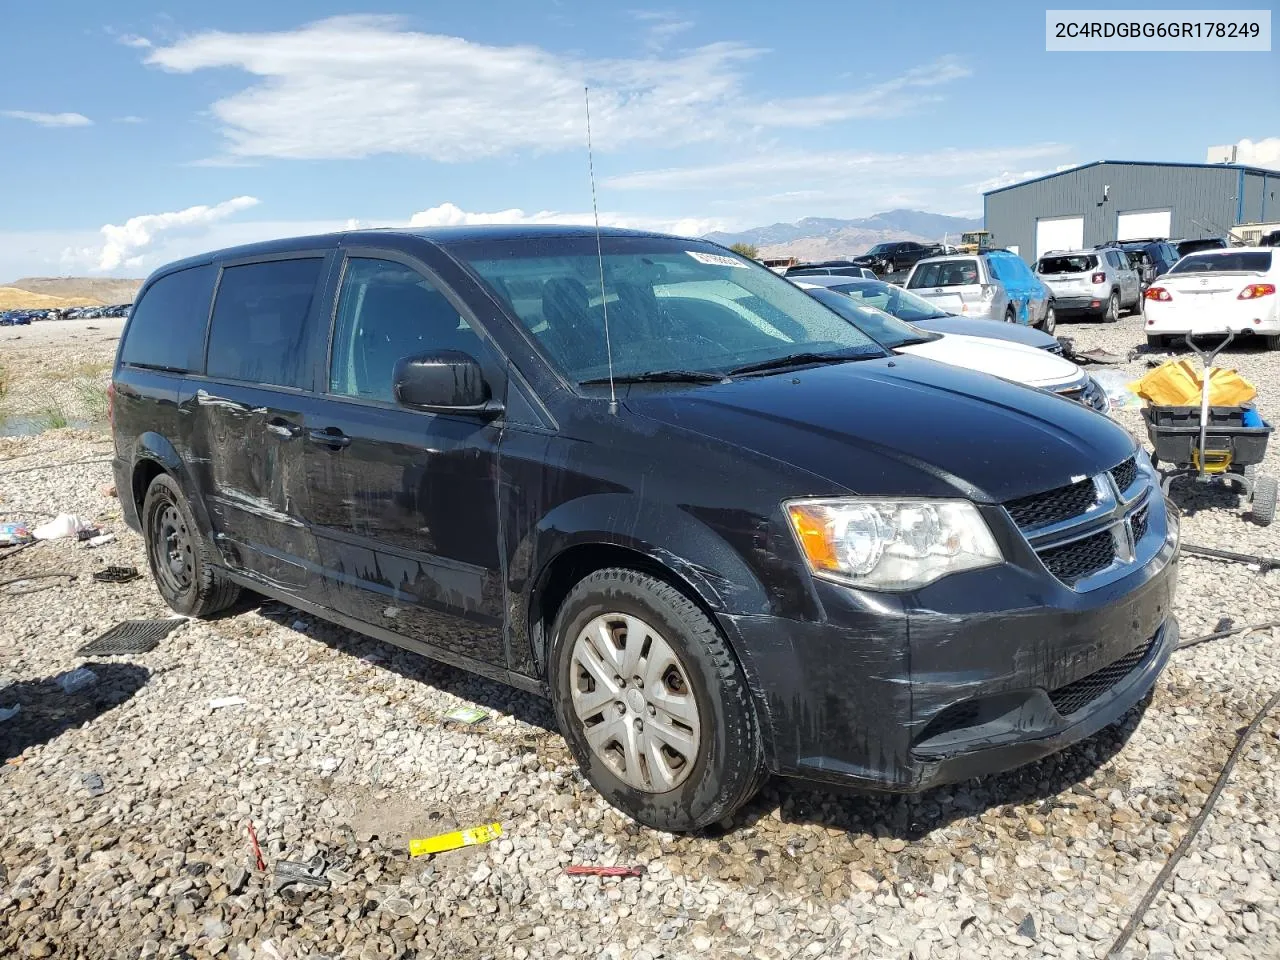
column 1049, row 323
column 652, row 702
column 179, row 555
column 1010, row 316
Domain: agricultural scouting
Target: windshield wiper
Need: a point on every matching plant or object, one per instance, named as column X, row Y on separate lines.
column 795, row 360
column 662, row 376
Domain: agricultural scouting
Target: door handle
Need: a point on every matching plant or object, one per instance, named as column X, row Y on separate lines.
column 329, row 437
column 283, row 428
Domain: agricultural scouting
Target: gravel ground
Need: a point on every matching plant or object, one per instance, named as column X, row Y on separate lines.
column 341, row 750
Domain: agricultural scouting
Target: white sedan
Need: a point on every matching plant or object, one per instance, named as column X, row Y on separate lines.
column 1215, row 291
column 1011, row 361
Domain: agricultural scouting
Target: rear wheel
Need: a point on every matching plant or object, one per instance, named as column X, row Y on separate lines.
column 652, row 702
column 179, row 556
column 1010, row 316
column 1113, row 308
column 1155, row 341
column 1272, row 342
column 1049, row 322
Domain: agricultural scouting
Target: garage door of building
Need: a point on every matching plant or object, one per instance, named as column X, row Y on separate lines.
column 1059, row 233
column 1141, row 224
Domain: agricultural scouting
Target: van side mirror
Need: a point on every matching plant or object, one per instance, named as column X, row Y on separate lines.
column 446, row 381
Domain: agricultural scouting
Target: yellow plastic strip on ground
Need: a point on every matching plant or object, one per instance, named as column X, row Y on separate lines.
column 452, row 841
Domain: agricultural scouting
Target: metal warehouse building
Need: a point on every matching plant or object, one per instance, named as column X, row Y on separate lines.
column 1128, row 200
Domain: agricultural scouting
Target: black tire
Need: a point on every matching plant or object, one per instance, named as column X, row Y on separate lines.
column 1264, row 500
column 1156, row 342
column 1049, row 322
column 729, row 766
column 1272, row 341
column 1112, row 313
column 180, row 555
column 1010, row 316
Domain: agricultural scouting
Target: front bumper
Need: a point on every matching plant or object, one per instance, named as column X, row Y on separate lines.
column 977, row 673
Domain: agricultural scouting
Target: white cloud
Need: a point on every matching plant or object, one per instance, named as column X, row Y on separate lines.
column 130, row 119
column 48, row 119
column 802, row 170
column 450, row 215
column 124, row 245
column 357, row 86
column 133, row 40
column 1259, row 153
column 663, row 25
column 1007, row 178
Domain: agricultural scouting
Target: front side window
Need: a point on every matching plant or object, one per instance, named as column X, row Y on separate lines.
column 260, row 332
column 670, row 305
column 386, row 312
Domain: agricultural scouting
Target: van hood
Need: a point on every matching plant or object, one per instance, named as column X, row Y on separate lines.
column 900, row 427
column 1000, row 358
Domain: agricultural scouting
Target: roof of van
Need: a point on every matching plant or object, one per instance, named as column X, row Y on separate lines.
column 442, row 236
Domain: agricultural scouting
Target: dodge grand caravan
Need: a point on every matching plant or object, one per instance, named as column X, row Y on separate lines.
column 724, row 531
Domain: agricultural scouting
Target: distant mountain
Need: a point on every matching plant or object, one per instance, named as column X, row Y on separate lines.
column 89, row 291
column 827, row 238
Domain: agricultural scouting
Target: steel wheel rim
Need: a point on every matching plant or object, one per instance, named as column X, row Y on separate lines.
column 631, row 693
column 172, row 549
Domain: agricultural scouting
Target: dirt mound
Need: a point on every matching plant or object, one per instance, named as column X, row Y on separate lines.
column 87, row 291
column 15, row 298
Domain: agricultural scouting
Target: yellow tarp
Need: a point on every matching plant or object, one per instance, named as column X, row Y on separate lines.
column 1177, row 383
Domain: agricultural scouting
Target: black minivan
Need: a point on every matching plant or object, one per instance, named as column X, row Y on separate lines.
column 722, row 529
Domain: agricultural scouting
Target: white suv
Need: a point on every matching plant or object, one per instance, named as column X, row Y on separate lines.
column 1092, row 283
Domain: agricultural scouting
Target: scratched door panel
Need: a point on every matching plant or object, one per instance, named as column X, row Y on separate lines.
column 246, row 452
column 405, row 521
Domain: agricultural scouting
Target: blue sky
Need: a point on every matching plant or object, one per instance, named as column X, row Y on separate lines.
column 134, row 133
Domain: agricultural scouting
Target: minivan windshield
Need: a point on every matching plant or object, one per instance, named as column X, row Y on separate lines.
column 675, row 308
column 892, row 300
column 1246, row 261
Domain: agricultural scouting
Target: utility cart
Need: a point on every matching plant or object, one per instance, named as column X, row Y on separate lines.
column 1213, row 444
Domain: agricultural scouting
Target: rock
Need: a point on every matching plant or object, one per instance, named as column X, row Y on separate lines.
column 1027, row 928
column 862, row 881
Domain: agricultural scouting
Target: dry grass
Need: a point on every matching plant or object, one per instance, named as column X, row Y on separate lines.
column 15, row 298
column 84, row 370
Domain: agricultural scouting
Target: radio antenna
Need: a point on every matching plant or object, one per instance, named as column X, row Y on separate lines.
column 604, row 298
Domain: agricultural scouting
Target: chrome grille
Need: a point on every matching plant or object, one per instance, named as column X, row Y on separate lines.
column 1074, row 561
column 1092, row 526
column 1055, row 506
column 1140, row 523
column 1125, row 474
column 1080, row 693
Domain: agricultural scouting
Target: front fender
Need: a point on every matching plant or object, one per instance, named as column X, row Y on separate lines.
column 663, row 533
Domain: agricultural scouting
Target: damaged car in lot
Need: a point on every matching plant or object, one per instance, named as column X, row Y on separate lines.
column 725, row 541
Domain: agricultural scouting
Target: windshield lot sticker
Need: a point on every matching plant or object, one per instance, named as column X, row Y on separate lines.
column 716, row 260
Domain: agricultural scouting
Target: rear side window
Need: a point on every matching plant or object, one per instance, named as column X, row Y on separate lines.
column 1253, row 261
column 166, row 328
column 945, row 273
column 260, row 332
column 1077, row 264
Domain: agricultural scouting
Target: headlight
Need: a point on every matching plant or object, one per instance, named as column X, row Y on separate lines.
column 891, row 544
column 1095, row 396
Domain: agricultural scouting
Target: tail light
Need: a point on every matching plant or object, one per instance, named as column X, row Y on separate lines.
column 1157, row 293
column 1255, row 290
column 111, row 403
column 1098, row 278
column 987, row 292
